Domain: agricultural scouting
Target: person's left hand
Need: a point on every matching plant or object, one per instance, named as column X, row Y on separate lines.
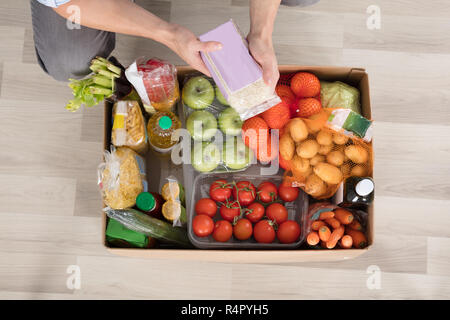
column 262, row 51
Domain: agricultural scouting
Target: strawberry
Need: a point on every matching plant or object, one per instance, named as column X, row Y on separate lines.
column 305, row 85
column 284, row 91
column 307, row 107
column 253, row 138
column 277, row 116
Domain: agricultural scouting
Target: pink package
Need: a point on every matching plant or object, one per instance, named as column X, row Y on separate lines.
column 236, row 73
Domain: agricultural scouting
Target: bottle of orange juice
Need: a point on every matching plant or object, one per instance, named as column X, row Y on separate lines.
column 160, row 128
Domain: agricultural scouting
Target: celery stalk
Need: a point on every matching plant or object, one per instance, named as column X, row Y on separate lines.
column 103, row 81
column 96, row 89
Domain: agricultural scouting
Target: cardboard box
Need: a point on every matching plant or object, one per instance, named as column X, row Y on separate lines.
column 356, row 77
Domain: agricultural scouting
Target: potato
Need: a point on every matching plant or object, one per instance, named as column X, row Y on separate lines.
column 287, row 147
column 340, row 138
column 358, row 171
column 314, row 126
column 300, row 165
column 328, row 173
column 315, row 186
column 336, row 158
column 345, row 168
column 324, row 138
column 308, row 149
column 324, row 150
column 357, row 154
column 316, row 159
column 298, row 129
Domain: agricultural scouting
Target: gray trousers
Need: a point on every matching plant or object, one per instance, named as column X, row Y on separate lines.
column 66, row 53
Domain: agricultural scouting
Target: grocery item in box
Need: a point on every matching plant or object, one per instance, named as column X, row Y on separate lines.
column 339, row 95
column 236, row 73
column 129, row 126
column 161, row 127
column 320, row 158
column 173, row 209
column 121, row 177
column 351, row 124
column 120, row 236
column 156, row 83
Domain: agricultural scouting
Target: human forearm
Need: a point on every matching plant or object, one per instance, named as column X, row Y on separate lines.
column 121, row 16
column 262, row 18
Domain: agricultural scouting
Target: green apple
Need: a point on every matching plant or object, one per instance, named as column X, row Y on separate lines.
column 202, row 125
column 220, row 96
column 198, row 93
column 236, row 155
column 229, row 122
column 205, row 156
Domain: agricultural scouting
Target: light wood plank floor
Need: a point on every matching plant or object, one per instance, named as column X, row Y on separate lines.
column 49, row 203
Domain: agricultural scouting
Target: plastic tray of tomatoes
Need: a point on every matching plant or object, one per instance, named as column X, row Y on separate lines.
column 215, row 211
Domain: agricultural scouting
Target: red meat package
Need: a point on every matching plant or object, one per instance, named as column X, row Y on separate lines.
column 156, row 83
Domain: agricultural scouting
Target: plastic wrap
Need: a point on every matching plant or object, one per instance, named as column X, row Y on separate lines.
column 129, row 128
column 351, row 124
column 121, row 177
column 339, row 95
column 237, row 74
column 214, row 126
column 173, row 208
column 156, row 83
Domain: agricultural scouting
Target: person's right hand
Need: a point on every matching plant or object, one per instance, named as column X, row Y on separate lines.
column 184, row 43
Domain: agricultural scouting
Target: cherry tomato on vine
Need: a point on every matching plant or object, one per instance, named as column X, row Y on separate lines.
column 202, row 225
column 244, row 192
column 230, row 210
column 288, row 232
column 206, row 206
column 288, row 193
column 254, row 212
column 277, row 212
column 243, row 229
column 223, row 230
column 263, row 232
column 220, row 190
column 267, row 192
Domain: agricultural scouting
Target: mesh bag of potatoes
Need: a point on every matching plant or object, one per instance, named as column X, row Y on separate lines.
column 129, row 128
column 319, row 157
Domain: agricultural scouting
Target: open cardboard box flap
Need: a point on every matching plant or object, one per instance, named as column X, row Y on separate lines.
column 353, row 76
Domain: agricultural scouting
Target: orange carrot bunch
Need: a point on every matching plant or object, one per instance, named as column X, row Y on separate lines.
column 337, row 228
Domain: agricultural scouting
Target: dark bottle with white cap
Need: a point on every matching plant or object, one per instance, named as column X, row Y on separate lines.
column 358, row 192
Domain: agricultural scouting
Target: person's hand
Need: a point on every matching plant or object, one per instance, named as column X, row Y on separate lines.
column 184, row 43
column 262, row 51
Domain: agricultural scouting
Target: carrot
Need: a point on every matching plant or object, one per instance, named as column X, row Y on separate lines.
column 358, row 238
column 312, row 238
column 333, row 222
column 324, row 233
column 337, row 234
column 344, row 216
column 330, row 244
column 355, row 225
column 317, row 224
column 346, row 242
column 326, row 215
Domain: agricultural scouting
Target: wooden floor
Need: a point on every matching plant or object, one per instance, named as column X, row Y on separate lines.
column 49, row 202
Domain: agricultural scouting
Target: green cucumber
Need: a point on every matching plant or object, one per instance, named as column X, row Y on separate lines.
column 155, row 228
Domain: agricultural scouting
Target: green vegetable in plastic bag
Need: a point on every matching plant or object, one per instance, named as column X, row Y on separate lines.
column 339, row 95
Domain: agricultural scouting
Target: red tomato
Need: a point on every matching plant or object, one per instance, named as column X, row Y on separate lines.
column 230, row 210
column 288, row 193
column 220, row 190
column 202, row 225
column 206, row 206
column 267, row 192
column 244, row 192
column 243, row 229
column 255, row 212
column 263, row 232
column 288, row 232
column 223, row 230
column 277, row 212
